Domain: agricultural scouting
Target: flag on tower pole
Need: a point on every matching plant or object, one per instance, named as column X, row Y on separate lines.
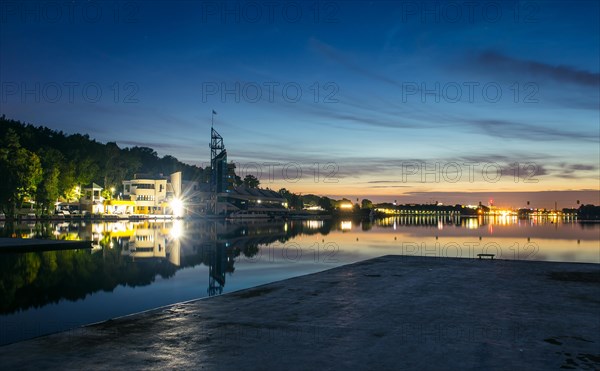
column 212, row 118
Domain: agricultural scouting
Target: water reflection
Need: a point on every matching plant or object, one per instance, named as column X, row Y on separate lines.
column 166, row 258
column 131, row 254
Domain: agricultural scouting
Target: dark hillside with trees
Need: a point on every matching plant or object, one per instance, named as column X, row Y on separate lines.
column 44, row 165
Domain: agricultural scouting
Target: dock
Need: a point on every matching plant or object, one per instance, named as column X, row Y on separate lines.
column 17, row 245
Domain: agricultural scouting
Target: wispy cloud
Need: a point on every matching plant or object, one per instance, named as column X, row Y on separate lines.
column 560, row 73
column 391, row 187
column 153, row 145
column 513, row 129
column 344, row 60
column 582, row 167
column 575, row 171
column 497, row 128
column 384, row 181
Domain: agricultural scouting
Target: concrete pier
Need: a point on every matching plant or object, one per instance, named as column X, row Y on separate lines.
column 8, row 245
column 391, row 312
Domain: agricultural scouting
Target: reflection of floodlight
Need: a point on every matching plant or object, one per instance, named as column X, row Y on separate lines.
column 177, row 229
column 177, row 207
column 314, row 224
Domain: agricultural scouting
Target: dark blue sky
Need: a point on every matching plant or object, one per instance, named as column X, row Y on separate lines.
column 370, row 86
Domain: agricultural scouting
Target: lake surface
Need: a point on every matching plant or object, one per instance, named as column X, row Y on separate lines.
column 136, row 266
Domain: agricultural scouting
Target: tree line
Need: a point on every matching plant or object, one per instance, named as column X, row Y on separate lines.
column 40, row 166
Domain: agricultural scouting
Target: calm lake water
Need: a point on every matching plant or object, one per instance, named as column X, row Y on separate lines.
column 136, row 266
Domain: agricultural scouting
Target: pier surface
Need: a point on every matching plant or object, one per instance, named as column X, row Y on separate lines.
column 392, row 312
column 9, row 245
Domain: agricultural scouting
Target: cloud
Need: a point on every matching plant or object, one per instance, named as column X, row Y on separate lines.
column 582, row 167
column 384, row 181
column 531, row 167
column 392, row 168
column 153, row 145
column 575, row 171
column 391, row 187
column 395, row 123
column 336, row 56
column 560, row 73
column 513, row 129
column 497, row 128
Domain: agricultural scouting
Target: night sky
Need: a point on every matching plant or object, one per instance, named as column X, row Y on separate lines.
column 369, row 91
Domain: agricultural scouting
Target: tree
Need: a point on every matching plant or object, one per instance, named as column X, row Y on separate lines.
column 251, row 181
column 28, row 174
column 67, row 182
column 285, row 193
column 113, row 168
column 87, row 171
column 21, row 172
column 325, row 203
column 107, row 193
column 588, row 212
column 69, row 162
column 49, row 189
column 147, row 157
column 366, row 204
column 47, row 192
column 294, row 201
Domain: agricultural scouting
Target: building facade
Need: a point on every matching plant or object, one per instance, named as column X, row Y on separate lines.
column 152, row 195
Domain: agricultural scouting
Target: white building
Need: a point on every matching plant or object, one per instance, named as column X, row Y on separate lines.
column 154, row 195
column 91, row 200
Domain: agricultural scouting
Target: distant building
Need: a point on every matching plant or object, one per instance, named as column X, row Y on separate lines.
column 91, row 199
column 251, row 199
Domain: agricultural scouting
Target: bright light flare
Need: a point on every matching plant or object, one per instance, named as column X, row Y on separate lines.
column 346, row 225
column 177, row 229
column 313, row 224
column 177, row 207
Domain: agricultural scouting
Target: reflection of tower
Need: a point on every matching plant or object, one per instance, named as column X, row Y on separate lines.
column 174, row 251
column 218, row 165
column 217, row 269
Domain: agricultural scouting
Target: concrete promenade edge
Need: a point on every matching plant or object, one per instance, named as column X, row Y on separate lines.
column 391, row 312
column 19, row 245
